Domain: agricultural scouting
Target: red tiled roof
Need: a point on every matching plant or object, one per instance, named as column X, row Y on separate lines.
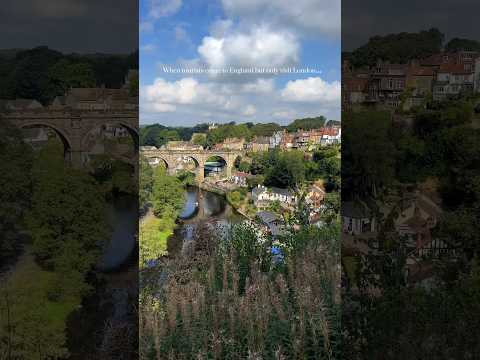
column 453, row 69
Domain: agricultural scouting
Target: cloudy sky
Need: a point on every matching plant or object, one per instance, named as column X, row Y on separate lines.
column 82, row 26
column 223, row 34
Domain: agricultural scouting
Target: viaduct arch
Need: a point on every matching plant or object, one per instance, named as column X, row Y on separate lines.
column 171, row 158
column 74, row 126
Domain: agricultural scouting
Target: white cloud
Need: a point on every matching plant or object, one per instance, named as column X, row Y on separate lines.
column 317, row 17
column 148, row 48
column 146, row 26
column 260, row 86
column 312, row 89
column 249, row 110
column 259, row 47
column 189, row 101
column 181, row 34
column 163, row 8
column 220, row 28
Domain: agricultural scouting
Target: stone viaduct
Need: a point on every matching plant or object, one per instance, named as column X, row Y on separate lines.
column 172, row 159
column 74, row 126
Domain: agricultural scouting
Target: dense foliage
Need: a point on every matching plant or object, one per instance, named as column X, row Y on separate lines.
column 398, row 48
column 281, row 169
column 459, row 44
column 65, row 219
column 165, row 196
column 15, row 161
column 307, row 124
column 42, row 73
column 386, row 316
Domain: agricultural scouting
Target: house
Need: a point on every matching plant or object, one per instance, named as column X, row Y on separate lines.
column 315, row 196
column 357, row 218
column 387, row 82
column 477, row 75
column 419, row 81
column 260, row 143
column 331, row 135
column 287, row 141
column 271, row 222
column 302, row 139
column 418, row 216
column 275, row 139
column 240, row 178
column 231, row 144
column 354, row 91
column 263, row 196
column 452, row 79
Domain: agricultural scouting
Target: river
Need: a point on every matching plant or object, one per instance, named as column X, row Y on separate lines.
column 201, row 207
column 116, row 287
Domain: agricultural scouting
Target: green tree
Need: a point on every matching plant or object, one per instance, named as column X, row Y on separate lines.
column 65, row 74
column 288, row 171
column 168, row 194
column 67, row 206
column 15, row 163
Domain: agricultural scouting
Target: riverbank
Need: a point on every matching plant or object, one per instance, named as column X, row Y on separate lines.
column 153, row 235
column 207, row 186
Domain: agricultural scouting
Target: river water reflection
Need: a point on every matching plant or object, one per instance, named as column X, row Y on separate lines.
column 201, row 207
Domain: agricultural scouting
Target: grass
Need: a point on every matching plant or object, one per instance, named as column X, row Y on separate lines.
column 351, row 265
column 32, row 310
column 154, row 233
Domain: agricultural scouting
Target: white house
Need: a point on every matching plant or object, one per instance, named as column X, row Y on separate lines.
column 276, row 139
column 452, row 79
column 262, row 196
column 240, row 178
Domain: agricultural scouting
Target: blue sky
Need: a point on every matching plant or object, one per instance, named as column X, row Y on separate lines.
column 219, row 34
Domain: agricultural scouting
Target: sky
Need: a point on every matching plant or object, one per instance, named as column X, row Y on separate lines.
column 225, row 35
column 81, row 26
column 364, row 19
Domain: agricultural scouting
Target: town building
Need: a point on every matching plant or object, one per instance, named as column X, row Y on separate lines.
column 263, row 196
column 357, row 218
column 275, row 139
column 442, row 75
column 452, row 79
column 418, row 216
column 315, row 196
column 271, row 222
column 231, row 144
column 240, row 178
column 287, row 141
column 260, row 143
